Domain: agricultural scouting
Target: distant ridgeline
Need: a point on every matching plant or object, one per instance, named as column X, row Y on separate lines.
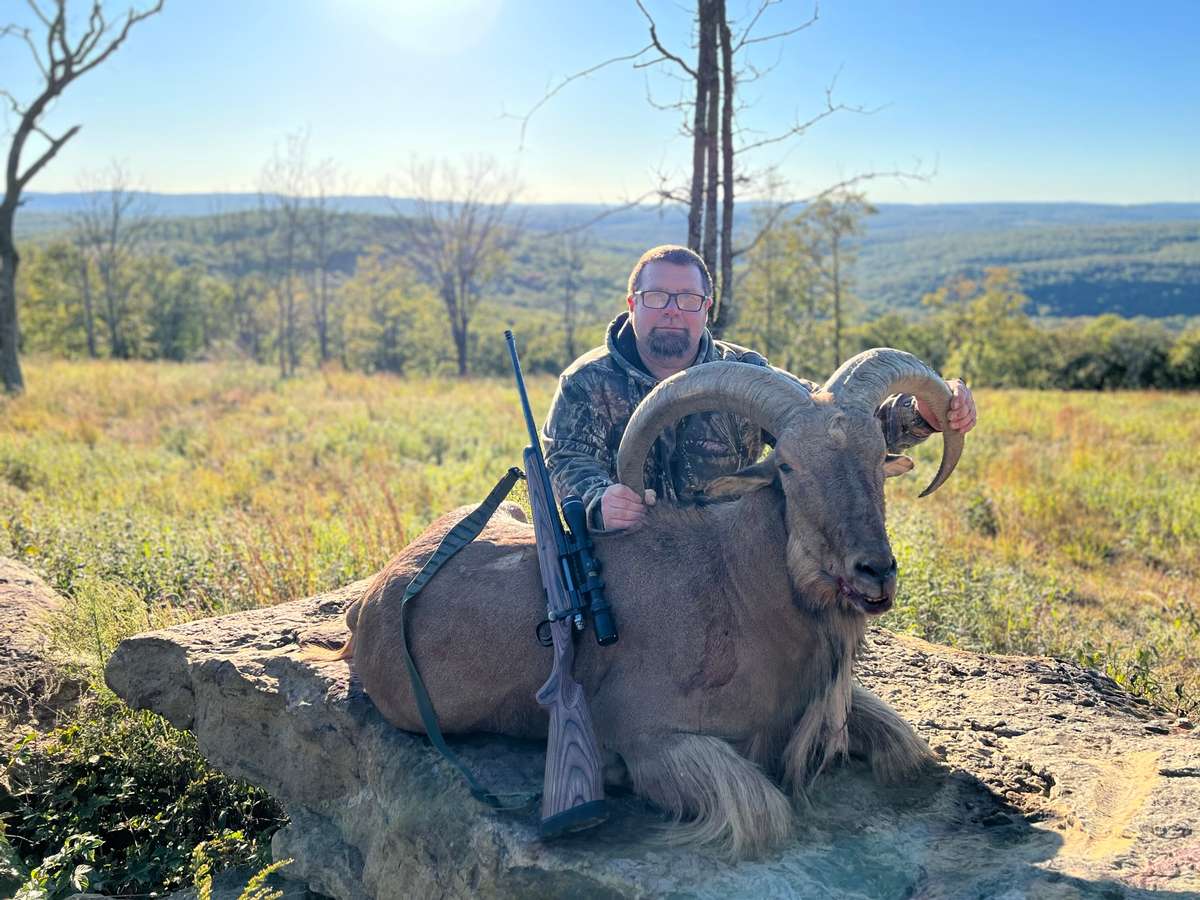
column 1071, row 259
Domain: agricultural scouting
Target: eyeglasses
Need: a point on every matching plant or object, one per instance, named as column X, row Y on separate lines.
column 684, row 302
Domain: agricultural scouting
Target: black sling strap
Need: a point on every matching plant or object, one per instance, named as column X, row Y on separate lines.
column 457, row 538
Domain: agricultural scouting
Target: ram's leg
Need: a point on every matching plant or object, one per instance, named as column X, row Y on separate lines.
column 878, row 734
column 718, row 798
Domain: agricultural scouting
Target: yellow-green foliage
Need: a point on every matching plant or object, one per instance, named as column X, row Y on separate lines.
column 153, row 493
column 149, row 493
column 1072, row 528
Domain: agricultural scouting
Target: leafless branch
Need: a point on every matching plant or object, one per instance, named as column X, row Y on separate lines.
column 801, row 127
column 603, row 214
column 779, row 209
column 16, row 107
column 56, row 144
column 130, row 20
column 583, row 73
column 24, row 34
column 757, row 73
column 658, row 44
column 746, row 40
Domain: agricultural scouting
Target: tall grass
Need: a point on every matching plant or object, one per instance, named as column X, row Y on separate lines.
column 1072, row 525
column 210, row 488
column 155, row 493
column 1071, row 528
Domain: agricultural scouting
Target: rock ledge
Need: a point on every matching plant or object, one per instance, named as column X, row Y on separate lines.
column 1054, row 783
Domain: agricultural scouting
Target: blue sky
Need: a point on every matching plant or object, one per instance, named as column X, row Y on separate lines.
column 1058, row 100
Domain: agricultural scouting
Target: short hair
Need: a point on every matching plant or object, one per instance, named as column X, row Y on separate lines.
column 676, row 255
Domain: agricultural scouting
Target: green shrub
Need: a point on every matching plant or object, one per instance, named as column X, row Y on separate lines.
column 116, row 801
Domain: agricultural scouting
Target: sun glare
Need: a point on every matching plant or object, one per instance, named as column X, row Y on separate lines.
column 445, row 28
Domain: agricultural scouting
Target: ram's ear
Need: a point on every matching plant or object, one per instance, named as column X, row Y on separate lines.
column 895, row 464
column 743, row 481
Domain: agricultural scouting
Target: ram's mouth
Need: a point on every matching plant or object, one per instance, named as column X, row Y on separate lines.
column 872, row 606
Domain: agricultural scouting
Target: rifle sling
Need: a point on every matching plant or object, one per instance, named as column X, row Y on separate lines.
column 457, row 538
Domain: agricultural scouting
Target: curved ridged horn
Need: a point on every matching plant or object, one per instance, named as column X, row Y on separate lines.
column 867, row 379
column 764, row 396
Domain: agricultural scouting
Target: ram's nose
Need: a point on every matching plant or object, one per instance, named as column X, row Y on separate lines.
column 875, row 578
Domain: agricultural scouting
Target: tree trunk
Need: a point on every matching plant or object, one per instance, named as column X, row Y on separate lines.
column 837, row 305
column 699, row 133
column 10, row 362
column 569, row 317
column 712, row 75
column 89, row 317
column 460, row 347
column 116, row 340
column 323, row 319
column 281, row 305
column 728, row 309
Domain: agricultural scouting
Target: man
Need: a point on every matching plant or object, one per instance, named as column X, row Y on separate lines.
column 663, row 332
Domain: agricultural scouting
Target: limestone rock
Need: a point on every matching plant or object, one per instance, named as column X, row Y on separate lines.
column 1055, row 783
column 32, row 687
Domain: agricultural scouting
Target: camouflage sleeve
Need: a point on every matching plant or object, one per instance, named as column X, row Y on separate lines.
column 577, row 453
column 903, row 426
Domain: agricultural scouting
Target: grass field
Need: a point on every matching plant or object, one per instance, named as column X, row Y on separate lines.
column 153, row 493
column 1071, row 527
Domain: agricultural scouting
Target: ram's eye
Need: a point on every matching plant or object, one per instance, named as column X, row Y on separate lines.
column 784, row 467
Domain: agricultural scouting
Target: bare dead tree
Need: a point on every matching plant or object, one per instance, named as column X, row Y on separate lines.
column 245, row 246
column 459, row 235
column 83, row 246
column 281, row 201
column 320, row 231
column 709, row 104
column 107, row 231
column 60, row 60
column 569, row 256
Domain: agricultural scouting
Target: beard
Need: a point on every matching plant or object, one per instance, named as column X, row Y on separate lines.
column 669, row 343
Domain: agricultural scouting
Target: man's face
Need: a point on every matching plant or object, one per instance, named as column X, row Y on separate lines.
column 669, row 334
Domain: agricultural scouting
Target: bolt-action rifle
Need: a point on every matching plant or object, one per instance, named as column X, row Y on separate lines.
column 573, row 795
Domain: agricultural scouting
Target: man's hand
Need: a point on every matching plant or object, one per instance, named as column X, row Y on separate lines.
column 962, row 408
column 621, row 507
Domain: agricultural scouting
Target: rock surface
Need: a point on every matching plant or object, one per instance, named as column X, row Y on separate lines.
column 1054, row 783
column 32, row 687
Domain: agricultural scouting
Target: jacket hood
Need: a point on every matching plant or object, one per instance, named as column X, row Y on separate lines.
column 619, row 341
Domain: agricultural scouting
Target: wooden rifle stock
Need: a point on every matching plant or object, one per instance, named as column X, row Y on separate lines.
column 573, row 794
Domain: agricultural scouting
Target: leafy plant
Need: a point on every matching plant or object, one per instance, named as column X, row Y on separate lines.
column 119, row 800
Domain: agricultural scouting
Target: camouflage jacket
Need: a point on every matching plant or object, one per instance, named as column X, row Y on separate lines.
column 598, row 392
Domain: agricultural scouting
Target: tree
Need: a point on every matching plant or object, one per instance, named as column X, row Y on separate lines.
column 990, row 338
column 52, row 317
column 60, row 61
column 834, row 218
column 778, row 296
column 243, row 242
column 107, row 231
column 568, row 259
column 392, row 321
column 320, row 231
column 1184, row 359
column 459, row 236
column 722, row 147
column 795, row 297
column 1110, row 352
column 281, row 201
column 182, row 303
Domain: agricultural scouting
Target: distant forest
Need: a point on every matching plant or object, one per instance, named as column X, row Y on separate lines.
column 1013, row 294
column 1072, row 259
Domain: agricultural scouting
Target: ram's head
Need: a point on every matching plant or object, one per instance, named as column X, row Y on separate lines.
column 829, row 462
